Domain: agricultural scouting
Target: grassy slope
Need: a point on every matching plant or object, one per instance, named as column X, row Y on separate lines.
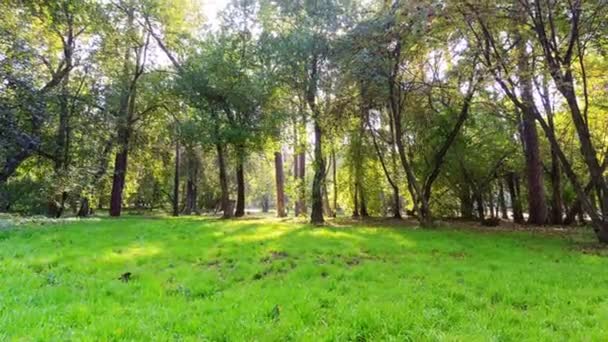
column 205, row 279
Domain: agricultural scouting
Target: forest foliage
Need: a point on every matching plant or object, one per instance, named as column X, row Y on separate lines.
column 483, row 110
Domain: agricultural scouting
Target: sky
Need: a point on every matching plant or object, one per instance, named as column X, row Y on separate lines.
column 211, row 9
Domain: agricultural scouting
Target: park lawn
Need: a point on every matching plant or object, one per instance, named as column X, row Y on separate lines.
column 267, row 280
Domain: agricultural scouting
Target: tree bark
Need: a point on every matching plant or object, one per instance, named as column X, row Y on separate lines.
column 240, row 189
column 316, row 216
column 501, row 200
column 537, row 205
column 280, row 181
column 118, row 182
column 513, row 185
column 225, row 199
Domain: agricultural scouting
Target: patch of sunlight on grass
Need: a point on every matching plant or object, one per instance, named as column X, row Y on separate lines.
column 333, row 234
column 129, row 253
column 266, row 232
column 390, row 233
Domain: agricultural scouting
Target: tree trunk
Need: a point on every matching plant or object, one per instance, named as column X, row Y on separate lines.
column 118, row 182
column 356, row 201
column 537, row 206
column 481, row 215
column 335, row 179
column 240, row 189
column 466, row 203
column 501, row 200
column 85, row 209
column 396, row 203
column 362, row 202
column 302, row 181
column 316, row 216
column 280, row 181
column 176, row 180
column 513, row 185
column 225, row 199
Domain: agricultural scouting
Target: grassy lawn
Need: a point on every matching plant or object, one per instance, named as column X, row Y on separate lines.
column 205, row 279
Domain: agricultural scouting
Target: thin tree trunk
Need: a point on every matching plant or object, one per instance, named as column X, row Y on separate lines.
column 501, row 200
column 335, row 178
column 356, row 201
column 240, row 188
column 280, row 181
column 513, row 185
column 302, row 181
column 176, row 180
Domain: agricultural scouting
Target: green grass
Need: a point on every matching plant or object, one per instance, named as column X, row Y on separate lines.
column 204, row 279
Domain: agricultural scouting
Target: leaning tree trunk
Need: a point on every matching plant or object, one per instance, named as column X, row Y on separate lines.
column 280, row 181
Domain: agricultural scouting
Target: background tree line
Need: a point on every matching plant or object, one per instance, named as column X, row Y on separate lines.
column 431, row 109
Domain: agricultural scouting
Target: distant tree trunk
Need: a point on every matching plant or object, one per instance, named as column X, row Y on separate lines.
column 85, row 209
column 265, row 203
column 501, row 200
column 481, row 215
column 302, row 181
column 466, row 203
column 240, row 188
column 362, row 202
column 280, row 181
column 513, row 185
column 326, row 207
column 176, row 180
column 491, row 202
column 335, row 178
column 356, row 201
column 225, row 200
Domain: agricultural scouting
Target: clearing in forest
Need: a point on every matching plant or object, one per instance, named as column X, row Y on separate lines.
column 207, row 279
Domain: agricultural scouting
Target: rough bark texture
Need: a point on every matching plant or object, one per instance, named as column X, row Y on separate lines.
column 280, row 182
column 316, row 215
